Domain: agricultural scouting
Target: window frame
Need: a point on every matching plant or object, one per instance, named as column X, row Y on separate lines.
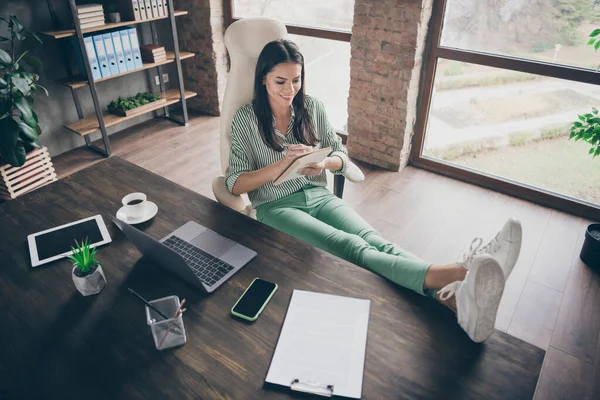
column 435, row 51
column 322, row 33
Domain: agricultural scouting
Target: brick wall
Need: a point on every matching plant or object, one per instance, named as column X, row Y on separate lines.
column 201, row 32
column 388, row 39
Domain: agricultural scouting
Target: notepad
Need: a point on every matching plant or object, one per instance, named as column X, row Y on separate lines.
column 322, row 345
column 300, row 162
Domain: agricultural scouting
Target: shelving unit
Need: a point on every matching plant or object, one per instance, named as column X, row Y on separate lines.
column 100, row 121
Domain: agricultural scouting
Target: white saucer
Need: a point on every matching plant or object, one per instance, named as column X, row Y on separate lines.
column 150, row 210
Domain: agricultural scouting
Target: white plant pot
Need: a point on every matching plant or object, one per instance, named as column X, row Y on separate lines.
column 90, row 284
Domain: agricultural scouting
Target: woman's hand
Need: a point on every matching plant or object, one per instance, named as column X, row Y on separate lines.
column 295, row 150
column 314, row 169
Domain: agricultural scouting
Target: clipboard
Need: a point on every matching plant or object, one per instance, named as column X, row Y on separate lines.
column 322, row 345
column 291, row 172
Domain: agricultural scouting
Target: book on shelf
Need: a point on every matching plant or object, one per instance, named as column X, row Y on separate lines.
column 91, row 20
column 92, row 24
column 91, row 15
column 89, row 8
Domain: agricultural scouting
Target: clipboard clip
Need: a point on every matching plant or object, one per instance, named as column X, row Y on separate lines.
column 312, row 387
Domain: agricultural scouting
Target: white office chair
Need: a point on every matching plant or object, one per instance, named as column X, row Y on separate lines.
column 245, row 40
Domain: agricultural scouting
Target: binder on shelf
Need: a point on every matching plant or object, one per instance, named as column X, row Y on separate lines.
column 154, row 9
column 127, row 50
column 322, row 345
column 135, row 48
column 130, row 9
column 161, row 11
column 149, row 9
column 110, row 54
column 91, row 55
column 142, row 7
column 116, row 37
column 101, row 54
column 165, row 7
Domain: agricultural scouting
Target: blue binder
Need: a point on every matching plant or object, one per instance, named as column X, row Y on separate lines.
column 110, row 54
column 91, row 54
column 135, row 48
column 101, row 54
column 127, row 49
column 116, row 37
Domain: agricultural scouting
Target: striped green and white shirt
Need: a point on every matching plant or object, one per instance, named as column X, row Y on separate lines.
column 250, row 153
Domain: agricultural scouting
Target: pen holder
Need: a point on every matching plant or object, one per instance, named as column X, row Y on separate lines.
column 170, row 332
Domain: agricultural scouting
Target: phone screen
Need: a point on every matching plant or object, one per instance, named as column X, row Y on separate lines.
column 254, row 298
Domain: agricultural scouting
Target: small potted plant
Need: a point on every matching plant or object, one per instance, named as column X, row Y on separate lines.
column 87, row 272
column 590, row 251
column 113, row 13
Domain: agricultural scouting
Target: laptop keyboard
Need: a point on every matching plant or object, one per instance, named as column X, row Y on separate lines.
column 206, row 267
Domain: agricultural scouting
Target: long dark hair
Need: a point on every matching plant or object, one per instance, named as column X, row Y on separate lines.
column 277, row 52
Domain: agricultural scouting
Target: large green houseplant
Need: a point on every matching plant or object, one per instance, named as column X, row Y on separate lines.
column 588, row 126
column 588, row 129
column 19, row 128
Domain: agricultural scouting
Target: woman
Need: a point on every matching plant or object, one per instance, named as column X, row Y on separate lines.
column 281, row 123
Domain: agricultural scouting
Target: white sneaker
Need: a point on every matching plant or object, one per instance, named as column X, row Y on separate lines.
column 477, row 296
column 505, row 247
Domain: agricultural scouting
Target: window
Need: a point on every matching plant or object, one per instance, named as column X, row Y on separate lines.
column 312, row 25
column 504, row 82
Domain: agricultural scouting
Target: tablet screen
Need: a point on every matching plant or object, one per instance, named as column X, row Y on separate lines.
column 60, row 241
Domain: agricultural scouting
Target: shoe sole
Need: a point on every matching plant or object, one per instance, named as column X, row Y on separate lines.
column 516, row 238
column 489, row 286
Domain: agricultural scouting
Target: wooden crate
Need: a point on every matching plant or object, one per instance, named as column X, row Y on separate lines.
column 37, row 171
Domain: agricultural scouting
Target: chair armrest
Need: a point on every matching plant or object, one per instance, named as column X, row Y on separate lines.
column 353, row 173
column 224, row 197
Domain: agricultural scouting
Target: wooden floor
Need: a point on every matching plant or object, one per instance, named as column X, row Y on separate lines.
column 552, row 299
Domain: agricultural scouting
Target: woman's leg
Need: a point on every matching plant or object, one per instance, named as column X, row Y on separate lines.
column 406, row 272
column 336, row 212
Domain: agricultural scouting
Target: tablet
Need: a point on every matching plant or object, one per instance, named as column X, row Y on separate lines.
column 56, row 243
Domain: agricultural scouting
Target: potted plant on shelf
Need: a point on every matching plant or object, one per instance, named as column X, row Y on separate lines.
column 87, row 272
column 136, row 104
column 19, row 128
column 587, row 128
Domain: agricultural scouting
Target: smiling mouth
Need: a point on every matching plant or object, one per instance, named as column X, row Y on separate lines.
column 287, row 97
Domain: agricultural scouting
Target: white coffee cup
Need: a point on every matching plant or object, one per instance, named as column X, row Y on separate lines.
column 134, row 205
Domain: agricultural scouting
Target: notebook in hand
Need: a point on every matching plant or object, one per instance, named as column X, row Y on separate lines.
column 300, row 162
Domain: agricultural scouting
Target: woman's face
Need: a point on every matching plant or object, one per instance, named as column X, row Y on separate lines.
column 283, row 83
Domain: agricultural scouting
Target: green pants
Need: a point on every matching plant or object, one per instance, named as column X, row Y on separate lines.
column 315, row 216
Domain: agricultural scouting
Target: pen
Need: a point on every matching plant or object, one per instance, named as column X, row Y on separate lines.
column 177, row 313
column 133, row 292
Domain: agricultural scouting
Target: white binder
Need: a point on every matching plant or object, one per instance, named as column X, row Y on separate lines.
column 322, row 345
column 91, row 55
column 101, row 54
column 127, row 50
column 135, row 48
column 116, row 37
column 110, row 54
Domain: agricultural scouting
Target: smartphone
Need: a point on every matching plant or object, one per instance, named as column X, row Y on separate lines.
column 254, row 299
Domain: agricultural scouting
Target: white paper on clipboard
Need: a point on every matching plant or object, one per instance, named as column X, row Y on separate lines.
column 322, row 345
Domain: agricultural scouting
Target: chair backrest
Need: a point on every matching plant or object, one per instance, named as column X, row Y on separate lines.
column 244, row 40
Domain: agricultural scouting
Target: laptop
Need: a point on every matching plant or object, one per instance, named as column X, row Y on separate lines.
column 193, row 252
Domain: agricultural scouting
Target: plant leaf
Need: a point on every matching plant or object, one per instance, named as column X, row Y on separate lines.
column 21, row 56
column 581, row 118
column 43, row 88
column 10, row 133
column 15, row 155
column 33, row 62
column 23, row 105
column 577, row 123
column 19, row 26
column 27, row 133
column 591, row 41
column 3, row 39
column 22, row 85
column 595, row 110
column 597, row 45
column 35, row 35
column 5, row 58
column 595, row 33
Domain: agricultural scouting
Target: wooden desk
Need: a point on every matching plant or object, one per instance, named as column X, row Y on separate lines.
column 57, row 344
